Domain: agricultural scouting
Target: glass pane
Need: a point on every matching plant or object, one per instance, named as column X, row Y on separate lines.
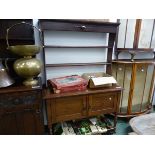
column 114, row 69
column 146, row 99
column 120, row 80
column 153, row 39
column 127, row 80
column 130, row 33
column 145, row 33
column 121, row 33
column 139, row 87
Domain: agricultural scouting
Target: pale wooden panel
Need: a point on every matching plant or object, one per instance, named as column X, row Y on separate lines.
column 130, row 33
column 145, row 33
column 146, row 99
column 75, row 55
column 121, row 33
column 139, row 87
column 70, row 38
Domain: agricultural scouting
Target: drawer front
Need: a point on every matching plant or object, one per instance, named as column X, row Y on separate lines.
column 67, row 108
column 102, row 103
column 84, row 27
column 17, row 100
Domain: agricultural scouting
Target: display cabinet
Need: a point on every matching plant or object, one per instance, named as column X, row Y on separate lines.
column 134, row 66
column 81, row 104
column 137, row 79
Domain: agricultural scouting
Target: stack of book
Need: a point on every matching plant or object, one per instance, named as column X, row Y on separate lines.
column 93, row 126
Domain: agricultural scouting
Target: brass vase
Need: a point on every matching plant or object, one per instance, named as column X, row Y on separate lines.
column 27, row 67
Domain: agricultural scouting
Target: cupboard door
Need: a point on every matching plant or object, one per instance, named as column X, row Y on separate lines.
column 25, row 122
column 102, row 103
column 69, row 108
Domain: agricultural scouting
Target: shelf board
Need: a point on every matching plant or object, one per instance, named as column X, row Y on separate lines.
column 58, row 46
column 48, row 94
column 25, row 39
column 136, row 61
column 139, row 50
column 77, row 64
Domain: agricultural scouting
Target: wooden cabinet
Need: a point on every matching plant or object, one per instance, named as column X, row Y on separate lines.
column 20, row 106
column 20, row 111
column 78, row 105
column 134, row 65
column 137, row 79
column 82, row 34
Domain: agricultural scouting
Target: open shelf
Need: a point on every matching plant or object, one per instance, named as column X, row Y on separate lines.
column 136, row 61
column 139, row 50
column 59, row 46
column 77, row 64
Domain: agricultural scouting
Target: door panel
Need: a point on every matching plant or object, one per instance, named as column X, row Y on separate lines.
column 102, row 103
column 70, row 108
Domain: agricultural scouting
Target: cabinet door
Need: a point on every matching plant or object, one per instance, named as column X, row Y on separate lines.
column 102, row 103
column 67, row 108
column 21, row 114
column 25, row 122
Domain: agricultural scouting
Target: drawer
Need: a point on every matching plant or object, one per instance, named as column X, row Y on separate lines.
column 18, row 99
column 102, row 103
column 76, row 26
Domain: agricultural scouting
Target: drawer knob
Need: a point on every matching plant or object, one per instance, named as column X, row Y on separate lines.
column 38, row 111
column 110, row 98
column 142, row 70
column 82, row 27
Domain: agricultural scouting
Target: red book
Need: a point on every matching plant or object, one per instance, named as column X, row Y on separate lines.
column 68, row 83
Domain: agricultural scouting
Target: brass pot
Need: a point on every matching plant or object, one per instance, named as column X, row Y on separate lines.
column 25, row 50
column 28, row 68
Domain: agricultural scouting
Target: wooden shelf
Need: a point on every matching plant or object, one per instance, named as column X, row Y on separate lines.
column 21, row 88
column 77, row 64
column 59, row 46
column 17, row 39
column 140, row 61
column 48, row 94
column 139, row 50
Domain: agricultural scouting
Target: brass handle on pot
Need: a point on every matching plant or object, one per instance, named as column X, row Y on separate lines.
column 7, row 34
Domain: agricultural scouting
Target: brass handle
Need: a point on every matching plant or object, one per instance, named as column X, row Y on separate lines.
column 7, row 34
